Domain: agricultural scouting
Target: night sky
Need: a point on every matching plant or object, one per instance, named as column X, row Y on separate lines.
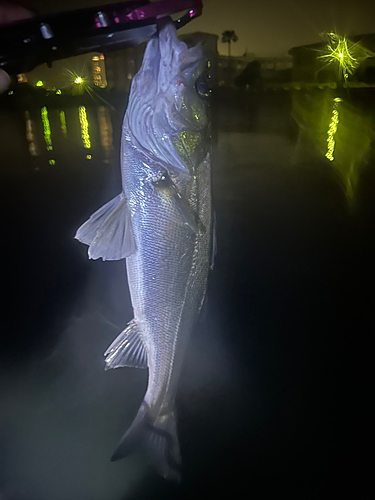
column 267, row 28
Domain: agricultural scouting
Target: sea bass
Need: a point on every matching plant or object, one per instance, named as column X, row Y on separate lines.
column 162, row 224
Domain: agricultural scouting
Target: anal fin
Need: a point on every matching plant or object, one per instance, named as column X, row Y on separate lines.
column 126, row 350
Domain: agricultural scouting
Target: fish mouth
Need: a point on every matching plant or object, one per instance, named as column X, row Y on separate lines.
column 167, row 111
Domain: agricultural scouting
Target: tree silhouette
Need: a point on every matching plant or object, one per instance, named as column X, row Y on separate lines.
column 229, row 37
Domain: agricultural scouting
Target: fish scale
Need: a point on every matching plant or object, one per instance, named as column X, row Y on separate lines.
column 158, row 275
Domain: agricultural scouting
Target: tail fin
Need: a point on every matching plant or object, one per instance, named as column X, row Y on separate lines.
column 158, row 439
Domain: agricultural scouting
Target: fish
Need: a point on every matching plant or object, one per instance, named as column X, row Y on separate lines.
column 162, row 224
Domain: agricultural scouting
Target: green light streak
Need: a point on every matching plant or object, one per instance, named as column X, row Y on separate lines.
column 332, row 129
column 63, row 124
column 46, row 129
column 84, row 127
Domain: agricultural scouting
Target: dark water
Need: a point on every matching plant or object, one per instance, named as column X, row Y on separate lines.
column 276, row 394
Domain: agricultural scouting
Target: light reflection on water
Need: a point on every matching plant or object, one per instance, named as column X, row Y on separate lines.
column 330, row 125
column 46, row 128
column 63, row 124
column 337, row 128
column 105, row 127
column 30, row 134
column 58, row 131
column 84, row 127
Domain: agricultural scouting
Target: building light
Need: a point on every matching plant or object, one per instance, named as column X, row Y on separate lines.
column 21, row 78
column 98, row 71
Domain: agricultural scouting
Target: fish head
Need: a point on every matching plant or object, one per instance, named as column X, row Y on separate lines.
column 167, row 114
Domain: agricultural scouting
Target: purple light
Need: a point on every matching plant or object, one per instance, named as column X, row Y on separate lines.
column 117, row 20
column 191, row 12
column 98, row 25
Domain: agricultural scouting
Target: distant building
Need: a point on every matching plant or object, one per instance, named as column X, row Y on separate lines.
column 270, row 68
column 98, row 71
column 228, row 68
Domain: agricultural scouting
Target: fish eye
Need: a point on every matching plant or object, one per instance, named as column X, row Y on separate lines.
column 203, row 90
column 162, row 181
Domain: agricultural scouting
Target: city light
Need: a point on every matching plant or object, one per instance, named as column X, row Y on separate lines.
column 39, row 83
column 84, row 127
column 58, row 92
column 347, row 55
column 52, row 162
column 74, row 81
column 46, row 129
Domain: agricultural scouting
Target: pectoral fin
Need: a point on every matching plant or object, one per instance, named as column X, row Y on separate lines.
column 167, row 187
column 109, row 232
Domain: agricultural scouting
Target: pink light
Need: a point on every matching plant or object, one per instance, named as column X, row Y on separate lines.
column 117, row 20
column 98, row 25
column 191, row 12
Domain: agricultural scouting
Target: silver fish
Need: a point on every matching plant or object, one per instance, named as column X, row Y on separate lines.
column 162, row 224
